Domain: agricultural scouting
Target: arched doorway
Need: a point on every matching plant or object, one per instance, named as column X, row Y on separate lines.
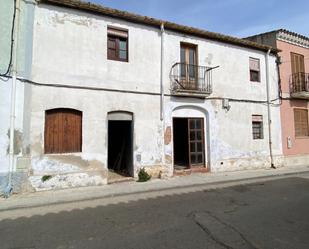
column 120, row 143
column 189, row 137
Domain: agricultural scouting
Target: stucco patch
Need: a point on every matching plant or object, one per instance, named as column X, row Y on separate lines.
column 66, row 181
column 18, row 140
column 167, row 135
column 168, row 159
column 62, row 18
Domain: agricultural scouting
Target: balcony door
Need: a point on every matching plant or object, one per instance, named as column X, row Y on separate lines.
column 298, row 72
column 188, row 60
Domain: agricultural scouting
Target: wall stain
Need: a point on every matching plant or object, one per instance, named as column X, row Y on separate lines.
column 61, row 19
column 18, row 141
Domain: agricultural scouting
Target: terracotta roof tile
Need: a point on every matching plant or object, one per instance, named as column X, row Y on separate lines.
column 101, row 10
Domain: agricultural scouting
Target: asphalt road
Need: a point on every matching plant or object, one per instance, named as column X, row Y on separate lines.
column 272, row 214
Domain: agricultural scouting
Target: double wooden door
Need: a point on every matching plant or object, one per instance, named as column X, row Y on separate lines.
column 188, row 69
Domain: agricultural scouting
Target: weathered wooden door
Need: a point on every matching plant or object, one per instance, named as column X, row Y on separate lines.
column 196, row 142
column 298, row 72
column 188, row 59
column 63, row 131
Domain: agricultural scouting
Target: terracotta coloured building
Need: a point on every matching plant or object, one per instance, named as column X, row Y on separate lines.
column 293, row 65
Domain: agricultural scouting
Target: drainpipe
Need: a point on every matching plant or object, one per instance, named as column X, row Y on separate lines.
column 162, row 76
column 162, row 92
column 269, row 111
column 8, row 189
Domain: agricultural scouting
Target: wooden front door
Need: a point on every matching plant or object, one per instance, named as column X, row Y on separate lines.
column 196, row 142
column 298, row 72
column 63, row 131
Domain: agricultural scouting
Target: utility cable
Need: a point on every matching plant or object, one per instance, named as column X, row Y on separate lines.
column 12, row 43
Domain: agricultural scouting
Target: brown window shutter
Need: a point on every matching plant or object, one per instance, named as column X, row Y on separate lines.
column 297, row 63
column 301, row 122
column 117, row 44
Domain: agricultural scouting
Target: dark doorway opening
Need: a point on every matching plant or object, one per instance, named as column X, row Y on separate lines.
column 189, row 144
column 120, row 147
column 181, row 143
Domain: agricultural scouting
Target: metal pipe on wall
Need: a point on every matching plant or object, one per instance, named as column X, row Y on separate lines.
column 8, row 190
column 162, row 74
column 162, row 91
column 269, row 111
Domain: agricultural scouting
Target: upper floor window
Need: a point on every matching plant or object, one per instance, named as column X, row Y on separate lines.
column 301, row 122
column 254, row 65
column 188, row 65
column 297, row 63
column 257, row 127
column 188, row 53
column 298, row 77
column 117, row 44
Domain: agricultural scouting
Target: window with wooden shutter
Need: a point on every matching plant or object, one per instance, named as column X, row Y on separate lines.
column 63, row 131
column 301, row 122
column 257, row 127
column 117, row 44
column 254, row 65
column 298, row 72
column 297, row 63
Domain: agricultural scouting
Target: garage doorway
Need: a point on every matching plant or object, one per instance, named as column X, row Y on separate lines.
column 189, row 144
column 120, row 144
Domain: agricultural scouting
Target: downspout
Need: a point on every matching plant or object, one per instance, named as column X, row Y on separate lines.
column 162, row 74
column 162, row 93
column 269, row 111
column 8, row 189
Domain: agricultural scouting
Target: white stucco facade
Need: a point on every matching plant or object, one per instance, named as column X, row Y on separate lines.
column 70, row 48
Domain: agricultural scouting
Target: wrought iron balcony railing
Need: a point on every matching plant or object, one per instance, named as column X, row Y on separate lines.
column 299, row 82
column 191, row 78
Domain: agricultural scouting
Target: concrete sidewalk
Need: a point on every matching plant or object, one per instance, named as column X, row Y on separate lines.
column 197, row 180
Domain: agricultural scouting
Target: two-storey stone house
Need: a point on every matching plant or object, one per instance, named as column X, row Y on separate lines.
column 111, row 92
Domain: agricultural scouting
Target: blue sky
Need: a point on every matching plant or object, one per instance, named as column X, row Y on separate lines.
column 234, row 17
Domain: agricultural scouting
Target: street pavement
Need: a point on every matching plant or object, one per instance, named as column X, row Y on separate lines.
column 270, row 214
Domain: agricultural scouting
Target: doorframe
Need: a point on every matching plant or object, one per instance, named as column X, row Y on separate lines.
column 180, row 111
column 203, row 140
column 127, row 114
column 206, row 146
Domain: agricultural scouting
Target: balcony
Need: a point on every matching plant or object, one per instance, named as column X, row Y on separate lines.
column 299, row 85
column 191, row 80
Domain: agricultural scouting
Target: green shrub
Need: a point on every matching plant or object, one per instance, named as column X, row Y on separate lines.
column 46, row 178
column 143, row 176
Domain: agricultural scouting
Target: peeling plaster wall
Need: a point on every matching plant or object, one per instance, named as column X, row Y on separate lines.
column 5, row 104
column 70, row 48
column 24, row 56
column 230, row 145
column 78, row 41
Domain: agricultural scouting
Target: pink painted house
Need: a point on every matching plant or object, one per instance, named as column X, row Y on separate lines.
column 293, row 63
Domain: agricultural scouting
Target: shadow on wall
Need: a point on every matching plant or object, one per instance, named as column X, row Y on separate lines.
column 299, row 103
